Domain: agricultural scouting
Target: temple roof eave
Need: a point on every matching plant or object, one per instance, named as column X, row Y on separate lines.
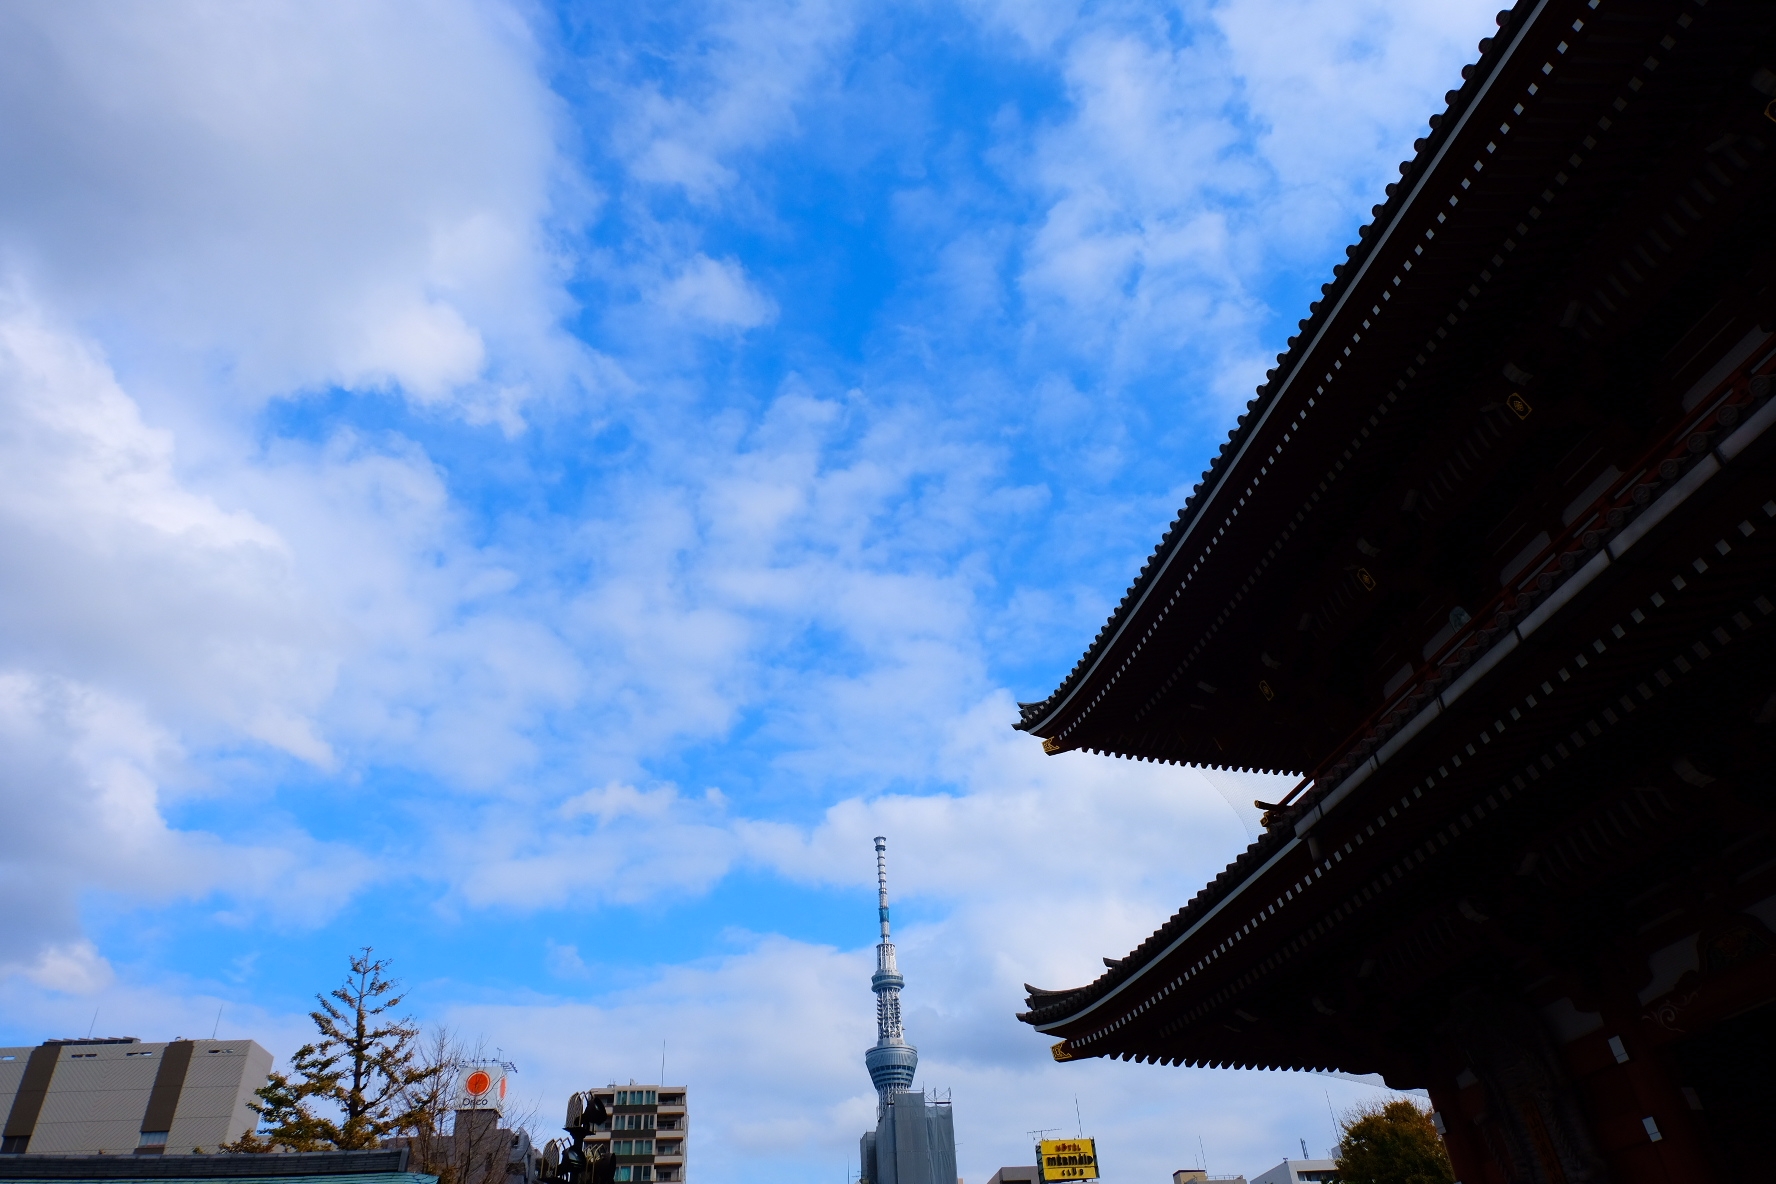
column 1051, row 1008
column 1047, row 716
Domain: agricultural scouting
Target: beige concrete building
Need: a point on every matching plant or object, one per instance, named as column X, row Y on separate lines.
column 1029, row 1175
column 119, row 1096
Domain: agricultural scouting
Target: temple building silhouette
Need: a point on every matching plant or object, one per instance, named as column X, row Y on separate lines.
column 1489, row 567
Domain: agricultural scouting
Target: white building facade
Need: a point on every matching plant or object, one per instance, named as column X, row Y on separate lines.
column 1300, row 1171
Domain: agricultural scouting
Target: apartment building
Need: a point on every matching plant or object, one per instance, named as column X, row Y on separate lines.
column 120, row 1096
column 647, row 1131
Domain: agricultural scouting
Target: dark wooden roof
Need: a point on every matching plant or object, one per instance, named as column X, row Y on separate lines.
column 1381, row 478
column 1546, row 364
column 1552, row 799
column 392, row 1161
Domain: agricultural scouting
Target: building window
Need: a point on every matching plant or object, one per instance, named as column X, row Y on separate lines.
column 640, row 1171
column 637, row 1097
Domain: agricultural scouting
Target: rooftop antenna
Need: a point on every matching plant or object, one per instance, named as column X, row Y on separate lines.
column 1304, row 1154
column 218, row 1026
column 1037, row 1135
column 1077, row 1118
column 94, row 1024
column 663, row 1065
column 1202, row 1156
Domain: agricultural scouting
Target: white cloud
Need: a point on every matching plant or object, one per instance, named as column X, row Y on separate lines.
column 740, row 87
column 298, row 194
column 1341, row 90
column 70, row 968
column 1203, row 153
column 715, row 292
column 81, row 795
column 451, row 652
column 120, row 576
column 175, row 1008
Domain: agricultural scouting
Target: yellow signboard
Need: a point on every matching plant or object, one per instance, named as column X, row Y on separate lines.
column 1068, row 1159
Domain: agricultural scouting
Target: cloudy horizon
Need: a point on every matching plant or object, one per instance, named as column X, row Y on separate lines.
column 535, row 488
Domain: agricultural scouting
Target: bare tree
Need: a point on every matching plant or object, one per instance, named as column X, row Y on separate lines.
column 466, row 1145
column 430, row 1102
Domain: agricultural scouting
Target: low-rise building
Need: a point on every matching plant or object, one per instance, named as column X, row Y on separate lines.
column 476, row 1149
column 1029, row 1175
column 120, row 1096
column 1301, row 1171
column 319, row 1167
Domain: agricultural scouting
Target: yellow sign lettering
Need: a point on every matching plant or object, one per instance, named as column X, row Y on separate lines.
column 1068, row 1159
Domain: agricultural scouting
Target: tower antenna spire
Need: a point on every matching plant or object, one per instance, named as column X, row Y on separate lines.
column 892, row 1062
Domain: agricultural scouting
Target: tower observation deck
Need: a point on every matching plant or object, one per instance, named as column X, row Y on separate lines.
column 892, row 1062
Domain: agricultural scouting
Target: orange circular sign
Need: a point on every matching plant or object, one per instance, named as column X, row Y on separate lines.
column 478, row 1082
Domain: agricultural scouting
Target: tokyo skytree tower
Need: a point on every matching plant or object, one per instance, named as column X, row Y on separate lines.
column 892, row 1061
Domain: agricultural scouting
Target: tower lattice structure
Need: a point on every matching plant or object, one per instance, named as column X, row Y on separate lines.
column 892, row 1062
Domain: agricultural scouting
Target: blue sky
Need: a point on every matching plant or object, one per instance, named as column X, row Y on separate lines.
column 535, row 488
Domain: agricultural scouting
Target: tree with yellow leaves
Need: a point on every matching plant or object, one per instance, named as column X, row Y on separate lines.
column 1394, row 1143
